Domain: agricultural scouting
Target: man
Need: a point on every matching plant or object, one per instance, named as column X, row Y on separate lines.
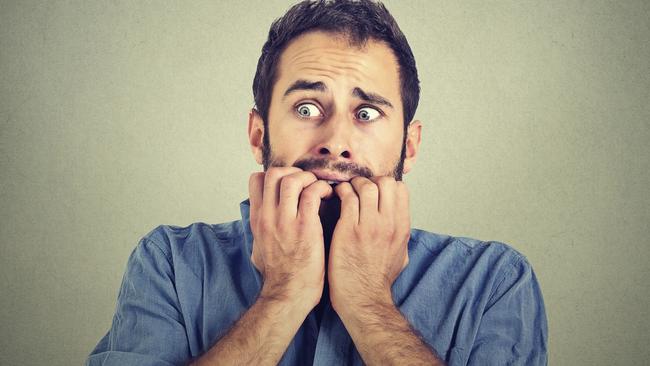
column 323, row 267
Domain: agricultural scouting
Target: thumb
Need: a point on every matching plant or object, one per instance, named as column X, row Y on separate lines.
column 406, row 260
column 256, row 260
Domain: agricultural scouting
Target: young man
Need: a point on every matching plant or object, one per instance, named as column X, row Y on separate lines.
column 323, row 267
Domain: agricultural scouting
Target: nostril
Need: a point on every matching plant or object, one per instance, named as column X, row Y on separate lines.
column 345, row 154
column 323, row 151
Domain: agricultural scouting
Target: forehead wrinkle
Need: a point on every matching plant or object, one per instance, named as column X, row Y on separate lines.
column 330, row 62
column 338, row 58
column 343, row 63
column 355, row 71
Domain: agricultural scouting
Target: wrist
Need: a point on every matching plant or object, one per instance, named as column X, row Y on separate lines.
column 290, row 297
column 363, row 308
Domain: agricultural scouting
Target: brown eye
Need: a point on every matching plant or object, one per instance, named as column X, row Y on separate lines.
column 368, row 114
column 306, row 110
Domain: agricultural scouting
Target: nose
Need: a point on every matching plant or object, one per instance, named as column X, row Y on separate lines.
column 336, row 141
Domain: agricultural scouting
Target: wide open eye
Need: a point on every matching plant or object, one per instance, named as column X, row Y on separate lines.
column 308, row 110
column 368, row 114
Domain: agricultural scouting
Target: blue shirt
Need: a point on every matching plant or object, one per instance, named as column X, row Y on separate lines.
column 474, row 302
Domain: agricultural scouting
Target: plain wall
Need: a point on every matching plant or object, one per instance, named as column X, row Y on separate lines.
column 118, row 116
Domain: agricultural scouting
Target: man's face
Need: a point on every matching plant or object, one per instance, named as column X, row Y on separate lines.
column 336, row 111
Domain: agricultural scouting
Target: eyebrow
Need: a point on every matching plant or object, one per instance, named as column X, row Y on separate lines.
column 321, row 87
column 371, row 97
column 306, row 85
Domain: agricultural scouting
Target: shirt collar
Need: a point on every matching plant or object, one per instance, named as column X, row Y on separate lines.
column 244, row 208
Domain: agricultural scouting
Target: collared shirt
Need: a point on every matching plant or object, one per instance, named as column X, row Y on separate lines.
column 473, row 302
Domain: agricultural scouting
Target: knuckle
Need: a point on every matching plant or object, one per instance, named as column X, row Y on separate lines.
column 369, row 189
column 266, row 225
column 308, row 175
column 390, row 227
column 314, row 187
column 343, row 189
column 389, row 232
column 255, row 176
column 283, row 227
column 279, row 172
column 302, row 223
column 274, row 173
column 386, row 181
column 307, row 197
column 289, row 181
column 358, row 180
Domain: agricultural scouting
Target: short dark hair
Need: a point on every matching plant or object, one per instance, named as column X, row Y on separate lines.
column 359, row 21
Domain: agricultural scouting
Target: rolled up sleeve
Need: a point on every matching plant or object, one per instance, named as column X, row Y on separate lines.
column 147, row 327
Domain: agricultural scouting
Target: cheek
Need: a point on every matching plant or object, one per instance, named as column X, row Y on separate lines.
column 290, row 143
column 383, row 144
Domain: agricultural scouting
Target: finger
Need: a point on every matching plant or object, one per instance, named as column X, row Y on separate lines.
column 402, row 211
column 311, row 197
column 291, row 187
column 387, row 194
column 255, row 189
column 259, row 264
column 368, row 193
column 349, row 202
column 271, row 197
column 406, row 260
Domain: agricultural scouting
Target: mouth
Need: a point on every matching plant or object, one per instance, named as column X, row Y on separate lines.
column 332, row 182
column 331, row 177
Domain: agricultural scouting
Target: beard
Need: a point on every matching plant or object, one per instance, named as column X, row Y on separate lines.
column 330, row 209
column 269, row 159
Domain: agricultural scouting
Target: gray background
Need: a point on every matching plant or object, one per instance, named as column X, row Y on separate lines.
column 117, row 116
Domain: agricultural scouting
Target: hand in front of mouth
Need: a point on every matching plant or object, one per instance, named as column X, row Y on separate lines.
column 369, row 245
column 288, row 243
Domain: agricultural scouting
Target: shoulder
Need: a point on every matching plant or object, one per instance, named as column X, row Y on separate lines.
column 195, row 246
column 465, row 246
column 171, row 239
column 464, row 254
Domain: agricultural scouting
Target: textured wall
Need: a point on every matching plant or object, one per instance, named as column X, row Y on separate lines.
column 119, row 116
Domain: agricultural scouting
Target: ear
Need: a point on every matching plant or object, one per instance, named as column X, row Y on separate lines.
column 256, row 134
column 413, row 138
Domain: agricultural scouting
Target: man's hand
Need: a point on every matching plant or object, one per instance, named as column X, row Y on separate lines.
column 369, row 250
column 288, row 247
column 370, row 243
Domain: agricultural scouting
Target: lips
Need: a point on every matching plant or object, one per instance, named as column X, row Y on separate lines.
column 331, row 177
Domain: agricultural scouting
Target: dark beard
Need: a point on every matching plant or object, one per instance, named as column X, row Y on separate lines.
column 330, row 209
column 270, row 160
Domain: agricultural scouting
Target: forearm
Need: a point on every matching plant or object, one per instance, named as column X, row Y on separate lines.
column 383, row 336
column 259, row 337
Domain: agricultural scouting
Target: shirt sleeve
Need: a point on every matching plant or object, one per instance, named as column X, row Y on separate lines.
column 148, row 327
column 513, row 329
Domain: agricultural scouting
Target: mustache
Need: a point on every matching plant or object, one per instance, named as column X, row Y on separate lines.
column 340, row 166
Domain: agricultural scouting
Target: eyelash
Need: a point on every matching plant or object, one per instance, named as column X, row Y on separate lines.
column 295, row 110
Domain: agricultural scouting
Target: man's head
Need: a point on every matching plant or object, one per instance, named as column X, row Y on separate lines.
column 336, row 90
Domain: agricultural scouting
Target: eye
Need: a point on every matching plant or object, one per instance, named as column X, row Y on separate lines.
column 368, row 114
column 308, row 110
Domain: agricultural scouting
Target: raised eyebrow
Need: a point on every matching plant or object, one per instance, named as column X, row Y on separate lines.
column 371, row 97
column 305, row 85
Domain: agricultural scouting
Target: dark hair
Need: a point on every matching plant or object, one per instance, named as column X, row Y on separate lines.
column 359, row 21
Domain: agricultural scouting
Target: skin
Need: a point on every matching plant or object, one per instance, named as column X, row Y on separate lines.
column 317, row 136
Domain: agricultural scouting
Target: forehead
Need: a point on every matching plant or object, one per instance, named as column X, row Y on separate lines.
column 330, row 58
